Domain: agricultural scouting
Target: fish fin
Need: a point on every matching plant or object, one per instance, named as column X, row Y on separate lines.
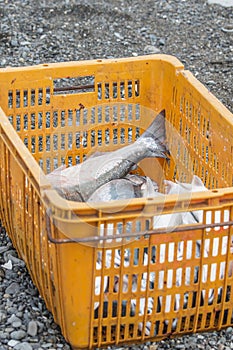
column 157, row 132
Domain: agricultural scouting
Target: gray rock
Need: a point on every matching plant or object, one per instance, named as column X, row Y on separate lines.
column 118, row 36
column 13, row 318
column 12, row 343
column 32, row 328
column 229, row 330
column 3, row 316
column 15, row 260
column 3, row 249
column 46, row 345
column 8, row 265
column 11, row 310
column 161, row 41
column 18, row 335
column 17, row 324
column 23, row 346
column 150, row 49
column 14, row 42
column 221, row 347
column 13, row 288
column 4, row 335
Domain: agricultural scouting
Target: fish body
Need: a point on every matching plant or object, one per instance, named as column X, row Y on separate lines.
column 113, row 190
column 82, row 180
column 131, row 186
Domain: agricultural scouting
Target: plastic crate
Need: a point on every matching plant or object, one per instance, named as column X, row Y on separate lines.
column 71, row 248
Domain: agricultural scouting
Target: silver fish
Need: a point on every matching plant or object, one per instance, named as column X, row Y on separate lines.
column 82, row 180
column 131, row 186
column 113, row 190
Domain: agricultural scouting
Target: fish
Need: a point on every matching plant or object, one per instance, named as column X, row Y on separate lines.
column 113, row 190
column 131, row 186
column 80, row 181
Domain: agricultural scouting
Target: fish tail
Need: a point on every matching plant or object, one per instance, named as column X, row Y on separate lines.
column 157, row 132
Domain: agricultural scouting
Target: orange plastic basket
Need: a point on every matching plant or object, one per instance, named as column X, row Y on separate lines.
column 107, row 273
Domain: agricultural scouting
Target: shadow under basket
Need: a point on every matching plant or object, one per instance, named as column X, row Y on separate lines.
column 106, row 272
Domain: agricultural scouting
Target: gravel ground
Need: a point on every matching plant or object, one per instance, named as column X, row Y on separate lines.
column 31, row 32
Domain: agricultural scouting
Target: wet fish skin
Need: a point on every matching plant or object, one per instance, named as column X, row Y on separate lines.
column 131, row 186
column 113, row 190
column 85, row 178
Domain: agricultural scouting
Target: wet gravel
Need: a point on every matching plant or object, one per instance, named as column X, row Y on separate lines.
column 31, row 32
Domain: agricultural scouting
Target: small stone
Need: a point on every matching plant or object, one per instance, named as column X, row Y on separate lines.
column 3, row 62
column 6, row 296
column 8, row 265
column 46, row 346
column 229, row 330
column 11, row 310
column 16, row 261
column 212, row 342
column 13, row 318
column 32, row 328
column 221, row 347
column 9, row 329
column 150, row 49
column 18, row 335
column 2, row 348
column 13, row 288
column 23, row 346
column 14, row 42
column 17, row 324
column 24, row 43
column 119, row 36
column 2, row 316
column 161, row 41
column 3, row 249
column 12, row 343
column 134, row 54
column 143, row 29
column 4, row 335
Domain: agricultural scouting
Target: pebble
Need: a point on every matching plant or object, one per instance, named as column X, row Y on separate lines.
column 18, row 335
column 13, row 318
column 15, row 260
column 229, row 330
column 150, row 49
column 3, row 249
column 14, row 42
column 161, row 41
column 8, row 265
column 17, row 324
column 23, row 346
column 3, row 316
column 119, row 36
column 13, row 288
column 12, row 343
column 32, row 328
